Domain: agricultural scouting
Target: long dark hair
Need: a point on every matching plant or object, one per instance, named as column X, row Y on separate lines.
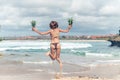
column 53, row 24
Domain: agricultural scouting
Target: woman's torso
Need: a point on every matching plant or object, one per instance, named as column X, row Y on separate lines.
column 55, row 35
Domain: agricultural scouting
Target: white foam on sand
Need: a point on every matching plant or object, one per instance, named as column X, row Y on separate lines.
column 104, row 63
column 109, row 62
column 38, row 70
column 41, row 62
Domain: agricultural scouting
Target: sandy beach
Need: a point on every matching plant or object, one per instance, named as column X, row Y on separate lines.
column 15, row 70
column 86, row 78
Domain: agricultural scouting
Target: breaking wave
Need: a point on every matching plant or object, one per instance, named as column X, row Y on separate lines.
column 28, row 45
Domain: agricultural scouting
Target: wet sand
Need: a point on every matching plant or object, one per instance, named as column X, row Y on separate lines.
column 18, row 70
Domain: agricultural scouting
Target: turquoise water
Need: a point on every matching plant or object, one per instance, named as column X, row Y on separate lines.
column 74, row 52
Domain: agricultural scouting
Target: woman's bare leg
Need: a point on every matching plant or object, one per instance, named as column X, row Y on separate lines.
column 58, row 57
column 52, row 52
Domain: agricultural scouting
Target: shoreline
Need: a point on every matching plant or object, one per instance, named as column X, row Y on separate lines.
column 64, row 40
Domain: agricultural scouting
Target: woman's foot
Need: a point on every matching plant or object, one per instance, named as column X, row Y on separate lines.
column 48, row 53
column 57, row 76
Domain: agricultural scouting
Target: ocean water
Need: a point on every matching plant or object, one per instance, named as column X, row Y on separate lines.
column 85, row 53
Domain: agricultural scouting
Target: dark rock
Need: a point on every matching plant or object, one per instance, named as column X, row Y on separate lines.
column 115, row 41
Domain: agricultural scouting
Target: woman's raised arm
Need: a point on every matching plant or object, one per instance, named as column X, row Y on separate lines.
column 66, row 30
column 41, row 33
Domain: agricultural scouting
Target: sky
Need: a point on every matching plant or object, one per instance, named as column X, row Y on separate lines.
column 91, row 17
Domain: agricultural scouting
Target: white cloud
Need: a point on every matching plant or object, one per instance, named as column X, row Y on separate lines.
column 82, row 5
column 8, row 15
column 111, row 8
column 87, row 13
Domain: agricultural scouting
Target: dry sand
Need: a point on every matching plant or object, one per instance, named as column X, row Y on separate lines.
column 81, row 78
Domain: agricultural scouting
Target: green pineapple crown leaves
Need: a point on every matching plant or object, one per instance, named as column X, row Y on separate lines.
column 70, row 21
column 33, row 23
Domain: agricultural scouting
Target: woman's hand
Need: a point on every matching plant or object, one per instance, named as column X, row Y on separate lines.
column 34, row 29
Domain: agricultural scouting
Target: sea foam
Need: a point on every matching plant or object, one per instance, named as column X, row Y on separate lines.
column 26, row 45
